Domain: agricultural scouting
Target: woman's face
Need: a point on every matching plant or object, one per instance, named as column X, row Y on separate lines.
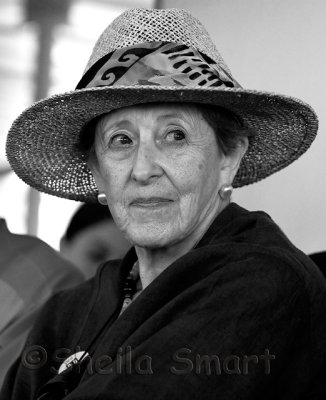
column 160, row 168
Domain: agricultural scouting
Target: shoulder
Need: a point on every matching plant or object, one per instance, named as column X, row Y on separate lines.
column 269, row 273
column 256, row 263
column 66, row 312
column 264, row 290
column 62, row 316
column 70, row 304
column 253, row 239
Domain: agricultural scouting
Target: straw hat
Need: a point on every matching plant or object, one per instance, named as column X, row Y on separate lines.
column 152, row 56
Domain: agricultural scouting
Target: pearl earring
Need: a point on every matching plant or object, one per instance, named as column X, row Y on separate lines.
column 101, row 198
column 225, row 191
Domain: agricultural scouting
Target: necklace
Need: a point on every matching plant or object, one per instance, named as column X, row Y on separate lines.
column 132, row 287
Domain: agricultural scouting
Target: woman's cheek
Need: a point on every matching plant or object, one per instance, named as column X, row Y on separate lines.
column 118, row 211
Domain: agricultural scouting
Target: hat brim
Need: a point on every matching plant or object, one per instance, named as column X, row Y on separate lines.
column 41, row 144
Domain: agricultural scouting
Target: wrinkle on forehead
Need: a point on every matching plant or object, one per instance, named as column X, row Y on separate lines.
column 183, row 111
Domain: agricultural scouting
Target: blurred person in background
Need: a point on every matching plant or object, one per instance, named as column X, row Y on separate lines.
column 91, row 238
column 30, row 273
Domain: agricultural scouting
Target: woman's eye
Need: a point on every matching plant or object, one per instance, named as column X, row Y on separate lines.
column 120, row 140
column 175, row 136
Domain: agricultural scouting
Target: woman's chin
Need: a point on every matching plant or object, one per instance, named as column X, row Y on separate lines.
column 151, row 236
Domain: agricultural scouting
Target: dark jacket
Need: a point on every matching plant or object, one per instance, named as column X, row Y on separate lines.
column 241, row 316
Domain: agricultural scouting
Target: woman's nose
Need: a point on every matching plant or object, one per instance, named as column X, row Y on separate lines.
column 146, row 164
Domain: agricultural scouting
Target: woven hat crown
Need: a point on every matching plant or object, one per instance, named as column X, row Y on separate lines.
column 140, row 25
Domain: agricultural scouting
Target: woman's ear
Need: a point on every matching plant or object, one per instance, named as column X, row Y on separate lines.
column 233, row 159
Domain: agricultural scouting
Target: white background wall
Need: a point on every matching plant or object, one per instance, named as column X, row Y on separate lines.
column 279, row 46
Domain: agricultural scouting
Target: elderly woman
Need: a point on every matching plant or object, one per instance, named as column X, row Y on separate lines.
column 212, row 301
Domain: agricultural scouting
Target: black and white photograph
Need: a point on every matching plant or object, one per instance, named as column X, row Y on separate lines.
column 162, row 200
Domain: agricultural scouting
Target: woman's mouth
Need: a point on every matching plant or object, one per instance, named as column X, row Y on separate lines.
column 150, row 202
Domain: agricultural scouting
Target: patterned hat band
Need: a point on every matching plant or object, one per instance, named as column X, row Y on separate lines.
column 157, row 63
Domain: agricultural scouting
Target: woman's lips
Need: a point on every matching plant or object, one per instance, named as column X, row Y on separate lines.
column 150, row 202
